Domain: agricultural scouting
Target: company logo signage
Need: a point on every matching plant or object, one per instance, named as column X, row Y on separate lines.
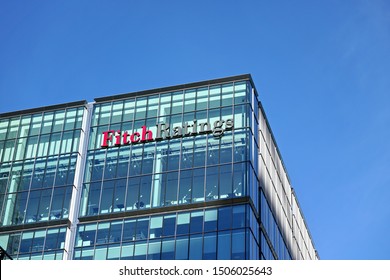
column 115, row 138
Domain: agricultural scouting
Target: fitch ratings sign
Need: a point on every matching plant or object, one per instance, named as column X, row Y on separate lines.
column 115, row 138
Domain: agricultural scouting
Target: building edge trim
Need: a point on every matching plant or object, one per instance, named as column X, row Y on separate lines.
column 43, row 109
column 173, row 88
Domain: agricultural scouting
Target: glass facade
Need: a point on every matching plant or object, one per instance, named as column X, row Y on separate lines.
column 173, row 173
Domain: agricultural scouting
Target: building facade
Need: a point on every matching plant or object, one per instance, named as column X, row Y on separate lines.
column 184, row 172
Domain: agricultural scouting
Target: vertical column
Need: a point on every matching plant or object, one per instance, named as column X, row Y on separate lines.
column 78, row 183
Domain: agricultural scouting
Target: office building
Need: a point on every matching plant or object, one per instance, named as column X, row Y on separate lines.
column 183, row 172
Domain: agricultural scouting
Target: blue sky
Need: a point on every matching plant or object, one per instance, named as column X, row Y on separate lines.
column 322, row 69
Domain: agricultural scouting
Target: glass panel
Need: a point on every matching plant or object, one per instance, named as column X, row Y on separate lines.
column 209, row 246
column 32, row 207
column 13, row 128
column 171, row 188
column 105, row 111
column 224, row 245
column 183, row 223
column 225, row 182
column 182, row 248
column 238, row 245
column 47, row 122
column 58, row 120
column 201, row 99
column 20, row 208
column 224, row 218
column 107, row 197
column 115, row 231
column 127, row 251
column 93, row 198
column 212, row 183
column 154, row 250
column 39, row 238
column 117, row 108
column 189, row 100
column 101, row 253
column 177, row 103
column 3, row 128
column 239, row 179
column 198, row 185
column 168, row 249
column 129, row 230
column 102, row 236
column 185, row 187
column 132, row 193
column 215, row 97
column 187, row 153
column 128, row 113
column 152, row 106
column 227, row 94
column 239, row 216
column 26, row 242
column 142, row 229
column 57, row 204
column 119, row 195
column 35, row 124
column 70, row 119
column 239, row 92
column 141, row 108
column 97, row 170
column 210, row 220
column 156, row 227
column 195, row 247
column 145, row 190
column 196, row 223
column 199, row 151
column 51, row 239
column 113, row 252
column 140, row 251
column 169, row 225
column 44, row 204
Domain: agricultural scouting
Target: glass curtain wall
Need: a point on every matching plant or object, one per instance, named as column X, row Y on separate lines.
column 175, row 171
column 38, row 157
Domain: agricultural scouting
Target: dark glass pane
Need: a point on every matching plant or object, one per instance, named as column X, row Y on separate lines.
column 116, row 231
column 119, row 195
column 129, row 230
column 185, row 187
column 196, row 223
column 169, row 224
column 224, row 245
column 212, row 183
column 198, row 185
column 171, row 189
column 51, row 239
column 145, row 190
column 26, row 243
column 106, row 203
column 183, row 223
column 209, row 246
column 142, row 229
column 102, row 236
column 93, row 198
column 238, row 245
column 224, row 218
column 132, row 193
column 225, row 182
column 239, row 216
column 210, row 220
